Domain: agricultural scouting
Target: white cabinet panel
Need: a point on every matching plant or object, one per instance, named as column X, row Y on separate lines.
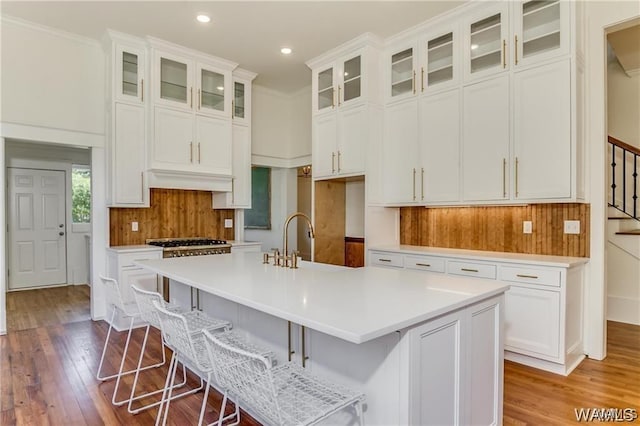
column 352, row 140
column 128, row 155
column 472, row 269
column 241, row 187
column 440, row 147
column 532, row 319
column 486, row 138
column 324, row 145
column 173, row 140
column 425, row 263
column 212, row 145
column 542, row 118
column 400, row 164
column 386, row 259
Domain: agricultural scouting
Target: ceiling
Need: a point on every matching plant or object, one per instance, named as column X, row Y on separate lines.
column 249, row 33
column 626, row 46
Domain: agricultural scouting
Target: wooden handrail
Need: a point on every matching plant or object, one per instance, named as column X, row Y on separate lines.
column 624, row 145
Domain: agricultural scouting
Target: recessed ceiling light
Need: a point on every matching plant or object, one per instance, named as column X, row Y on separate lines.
column 474, row 46
column 286, row 50
column 203, row 18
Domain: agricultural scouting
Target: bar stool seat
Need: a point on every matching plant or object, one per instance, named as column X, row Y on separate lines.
column 283, row 395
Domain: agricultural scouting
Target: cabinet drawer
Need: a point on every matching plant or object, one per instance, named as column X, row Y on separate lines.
column 424, row 263
column 126, row 260
column 386, row 259
column 480, row 270
column 549, row 277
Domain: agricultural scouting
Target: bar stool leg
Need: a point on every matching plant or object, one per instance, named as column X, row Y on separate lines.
column 166, row 389
column 120, row 374
column 204, row 400
column 104, row 349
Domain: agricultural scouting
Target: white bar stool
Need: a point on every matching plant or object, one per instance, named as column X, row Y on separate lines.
column 283, row 395
column 188, row 345
column 196, row 320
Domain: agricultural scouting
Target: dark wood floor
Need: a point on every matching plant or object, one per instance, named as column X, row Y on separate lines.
column 47, row 376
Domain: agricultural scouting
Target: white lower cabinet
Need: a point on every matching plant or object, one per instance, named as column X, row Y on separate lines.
column 532, row 318
column 120, row 267
column 543, row 315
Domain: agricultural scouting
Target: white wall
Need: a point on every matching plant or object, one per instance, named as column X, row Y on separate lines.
column 283, row 203
column 623, row 105
column 51, row 80
column 280, row 128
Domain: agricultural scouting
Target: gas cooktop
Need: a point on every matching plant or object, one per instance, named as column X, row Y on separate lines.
column 184, row 242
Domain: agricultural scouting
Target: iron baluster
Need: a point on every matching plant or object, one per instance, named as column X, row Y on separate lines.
column 635, row 185
column 624, row 180
column 613, row 175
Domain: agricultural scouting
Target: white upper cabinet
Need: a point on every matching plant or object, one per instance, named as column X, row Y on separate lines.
column 345, row 85
column 541, row 30
column 485, row 45
column 215, row 91
column 401, row 69
column 129, row 73
column 440, row 60
column 174, row 80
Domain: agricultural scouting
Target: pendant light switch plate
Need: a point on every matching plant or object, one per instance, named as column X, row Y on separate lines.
column 228, row 223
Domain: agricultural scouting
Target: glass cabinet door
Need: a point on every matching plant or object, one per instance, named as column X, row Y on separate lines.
column 352, row 78
column 439, row 61
column 325, row 89
column 540, row 28
column 238, row 100
column 129, row 70
column 173, row 81
column 211, row 91
column 487, row 44
column 402, row 73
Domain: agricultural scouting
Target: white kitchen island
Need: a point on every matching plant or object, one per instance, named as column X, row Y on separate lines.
column 424, row 349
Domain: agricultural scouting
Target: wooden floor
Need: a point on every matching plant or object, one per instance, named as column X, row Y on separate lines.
column 39, row 308
column 47, row 376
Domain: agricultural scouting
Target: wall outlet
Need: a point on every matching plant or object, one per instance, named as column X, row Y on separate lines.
column 527, row 227
column 571, row 226
column 228, row 223
column 134, row 226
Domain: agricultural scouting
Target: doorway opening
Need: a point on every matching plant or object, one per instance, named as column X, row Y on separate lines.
column 48, row 215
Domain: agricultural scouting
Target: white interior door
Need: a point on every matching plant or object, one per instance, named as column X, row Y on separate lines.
column 37, row 228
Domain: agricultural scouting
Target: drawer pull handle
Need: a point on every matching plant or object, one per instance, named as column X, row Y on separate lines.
column 423, row 264
column 469, row 270
column 384, row 260
column 527, row 276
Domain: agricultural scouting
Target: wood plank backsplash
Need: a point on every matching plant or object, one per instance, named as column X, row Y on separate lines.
column 173, row 213
column 498, row 228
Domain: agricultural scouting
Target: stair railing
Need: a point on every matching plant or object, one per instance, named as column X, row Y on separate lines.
column 629, row 160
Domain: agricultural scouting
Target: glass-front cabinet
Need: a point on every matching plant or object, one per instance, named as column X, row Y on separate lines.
column 129, row 69
column 486, row 45
column 174, row 80
column 541, row 29
column 212, row 86
column 339, row 84
column 403, row 73
column 241, row 101
column 238, row 103
column 439, row 68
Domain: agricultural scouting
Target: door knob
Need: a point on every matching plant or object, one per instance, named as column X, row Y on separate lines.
column 61, row 233
column 61, row 225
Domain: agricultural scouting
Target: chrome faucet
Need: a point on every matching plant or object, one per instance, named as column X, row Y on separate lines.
column 294, row 257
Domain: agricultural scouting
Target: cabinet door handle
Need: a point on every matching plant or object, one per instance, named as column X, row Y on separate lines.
column 413, row 82
column 289, row 351
column 233, row 195
column 191, row 152
column 142, row 90
column 469, row 270
column 304, row 349
column 384, row 260
column 339, row 94
column 333, row 161
column 191, row 97
column 414, row 184
column 338, row 161
column 422, row 184
column 527, row 276
column 142, row 186
column 199, row 99
column 504, row 53
column 333, row 98
column 422, row 79
column 517, row 193
column 423, row 264
column 233, row 109
column 515, row 55
column 198, row 152
column 504, row 178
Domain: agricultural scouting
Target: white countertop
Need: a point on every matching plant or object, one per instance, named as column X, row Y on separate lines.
column 495, row 256
column 134, row 249
column 356, row 305
column 244, row 243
